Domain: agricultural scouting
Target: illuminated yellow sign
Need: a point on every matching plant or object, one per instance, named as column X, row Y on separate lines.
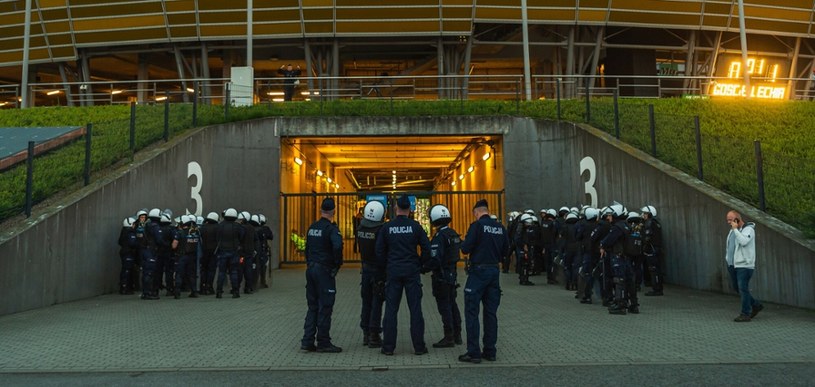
column 767, row 89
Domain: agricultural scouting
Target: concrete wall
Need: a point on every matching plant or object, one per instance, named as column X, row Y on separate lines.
column 68, row 251
column 543, row 170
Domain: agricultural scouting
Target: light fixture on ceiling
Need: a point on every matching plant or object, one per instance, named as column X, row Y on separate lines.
column 328, row 179
column 453, row 184
column 53, row 92
column 190, row 90
column 319, row 172
column 115, row 92
column 461, row 176
column 298, row 160
column 486, row 156
column 471, row 169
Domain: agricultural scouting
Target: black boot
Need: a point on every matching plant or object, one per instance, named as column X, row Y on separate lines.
column 446, row 341
column 457, row 336
column 374, row 341
column 366, row 338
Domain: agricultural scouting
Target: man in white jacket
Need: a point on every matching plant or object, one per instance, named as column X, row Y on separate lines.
column 740, row 255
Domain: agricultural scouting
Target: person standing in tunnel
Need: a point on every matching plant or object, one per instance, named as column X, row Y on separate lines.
column 324, row 259
column 487, row 243
column 397, row 242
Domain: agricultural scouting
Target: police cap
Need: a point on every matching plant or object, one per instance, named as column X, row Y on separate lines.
column 328, row 205
column 481, row 203
column 403, row 202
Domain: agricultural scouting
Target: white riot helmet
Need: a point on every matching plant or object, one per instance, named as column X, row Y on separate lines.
column 166, row 219
column 168, row 211
column 617, row 210
column 374, row 211
column 563, row 210
column 649, row 210
column 530, row 212
column 154, row 214
column 574, row 210
column 571, row 215
column 439, row 215
column 199, row 220
column 244, row 216
column 551, row 212
column 231, row 214
column 128, row 222
column 262, row 219
column 634, row 216
column 141, row 212
column 213, row 216
column 527, row 219
column 183, row 219
column 592, row 213
column 255, row 219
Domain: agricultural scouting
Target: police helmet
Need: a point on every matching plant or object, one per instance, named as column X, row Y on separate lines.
column 231, row 214
column 634, row 216
column 649, row 210
column 128, row 222
column 255, row 220
column 494, row 217
column 571, row 216
column 374, row 211
column 213, row 217
column 563, row 210
column 592, row 213
column 165, row 219
column 617, row 210
column 439, row 215
column 527, row 219
column 551, row 212
column 141, row 212
column 262, row 219
column 574, row 210
column 244, row 216
column 154, row 213
column 199, row 220
column 179, row 219
column 530, row 211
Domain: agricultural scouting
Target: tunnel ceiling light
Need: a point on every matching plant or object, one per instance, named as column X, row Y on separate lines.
column 190, row 90
column 394, row 171
column 471, row 169
column 461, row 176
column 309, row 93
column 298, row 160
column 337, row 186
column 328, row 179
column 275, row 93
column 453, row 184
column 159, row 99
column 53, row 92
column 115, row 92
column 486, row 156
column 277, row 100
column 319, row 172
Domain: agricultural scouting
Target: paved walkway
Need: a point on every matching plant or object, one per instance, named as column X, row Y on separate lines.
column 539, row 326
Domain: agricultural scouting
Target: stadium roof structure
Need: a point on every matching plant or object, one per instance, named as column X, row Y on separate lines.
column 59, row 28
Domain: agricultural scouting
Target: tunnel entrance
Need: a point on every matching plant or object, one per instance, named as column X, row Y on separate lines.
column 455, row 171
column 298, row 211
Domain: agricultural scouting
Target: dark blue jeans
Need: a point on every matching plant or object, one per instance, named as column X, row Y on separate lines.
column 740, row 281
column 412, row 286
column 482, row 287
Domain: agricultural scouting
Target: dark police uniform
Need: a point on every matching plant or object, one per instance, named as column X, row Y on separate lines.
column 148, row 233
column 652, row 250
column 229, row 236
column 372, row 287
column 397, row 241
column 166, row 260
column 549, row 232
column 625, row 292
column 128, row 250
column 189, row 253
column 208, row 263
column 486, row 242
column 248, row 252
column 445, row 248
column 324, row 258
column 570, row 235
column 263, row 235
column 530, row 248
column 591, row 255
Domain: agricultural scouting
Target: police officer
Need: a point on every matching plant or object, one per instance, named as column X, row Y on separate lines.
column 445, row 250
column 264, row 236
column 187, row 244
column 512, row 226
column 528, row 248
column 128, row 250
column 208, row 262
column 652, row 248
column 570, row 236
column 324, row 258
column 486, row 243
column 248, row 251
column 166, row 261
column 591, row 254
column 229, row 237
column 613, row 245
column 148, row 233
column 549, row 232
column 372, row 287
column 397, row 241
column 637, row 234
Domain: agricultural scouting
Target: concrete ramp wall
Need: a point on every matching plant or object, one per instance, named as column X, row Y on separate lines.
column 68, row 250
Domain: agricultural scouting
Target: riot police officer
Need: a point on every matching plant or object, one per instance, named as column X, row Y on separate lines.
column 324, row 259
column 372, row 286
column 229, row 237
column 529, row 247
column 264, row 236
column 187, row 244
column 247, row 261
column 209, row 242
column 148, row 234
column 512, row 227
column 613, row 245
column 166, row 261
column 549, row 232
column 570, row 236
column 652, row 248
column 397, row 241
column 445, row 251
column 486, row 242
column 128, row 250
column 590, row 254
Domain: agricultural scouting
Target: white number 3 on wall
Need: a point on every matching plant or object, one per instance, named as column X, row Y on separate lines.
column 587, row 164
column 194, row 169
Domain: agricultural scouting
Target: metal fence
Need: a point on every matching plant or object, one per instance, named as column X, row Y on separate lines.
column 299, row 210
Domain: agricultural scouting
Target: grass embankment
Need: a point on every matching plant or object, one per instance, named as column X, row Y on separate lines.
column 728, row 129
